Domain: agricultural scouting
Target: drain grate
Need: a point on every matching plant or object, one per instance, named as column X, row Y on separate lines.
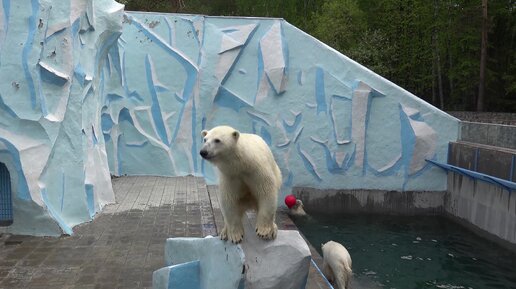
column 6, row 205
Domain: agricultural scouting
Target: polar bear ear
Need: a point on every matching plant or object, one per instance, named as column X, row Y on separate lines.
column 236, row 134
column 204, row 133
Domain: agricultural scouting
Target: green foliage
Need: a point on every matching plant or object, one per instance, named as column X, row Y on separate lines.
column 374, row 50
column 414, row 43
column 340, row 24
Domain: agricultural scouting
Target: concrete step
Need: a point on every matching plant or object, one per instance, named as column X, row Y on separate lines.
column 494, row 161
column 488, row 134
column 485, row 117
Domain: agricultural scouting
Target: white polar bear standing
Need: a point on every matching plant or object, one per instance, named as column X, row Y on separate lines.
column 249, row 179
column 337, row 264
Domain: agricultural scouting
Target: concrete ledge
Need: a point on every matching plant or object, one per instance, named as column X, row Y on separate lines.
column 370, row 201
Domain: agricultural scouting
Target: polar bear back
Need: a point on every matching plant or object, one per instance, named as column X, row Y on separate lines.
column 337, row 258
column 336, row 255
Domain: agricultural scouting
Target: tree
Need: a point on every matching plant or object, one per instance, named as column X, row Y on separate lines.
column 339, row 23
column 483, row 58
column 374, row 50
column 437, row 56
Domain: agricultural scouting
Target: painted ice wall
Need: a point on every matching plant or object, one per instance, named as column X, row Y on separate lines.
column 330, row 122
column 51, row 54
column 76, row 96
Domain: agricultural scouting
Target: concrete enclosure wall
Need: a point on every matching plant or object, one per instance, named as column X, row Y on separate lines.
column 487, row 208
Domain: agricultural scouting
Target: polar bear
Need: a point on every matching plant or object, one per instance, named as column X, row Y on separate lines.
column 298, row 209
column 249, row 179
column 337, row 264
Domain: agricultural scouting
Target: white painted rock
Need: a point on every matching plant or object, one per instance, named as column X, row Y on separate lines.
column 281, row 263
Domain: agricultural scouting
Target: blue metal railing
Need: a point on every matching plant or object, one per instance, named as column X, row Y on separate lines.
column 508, row 185
column 322, row 275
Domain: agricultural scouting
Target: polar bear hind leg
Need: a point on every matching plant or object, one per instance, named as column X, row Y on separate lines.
column 265, row 219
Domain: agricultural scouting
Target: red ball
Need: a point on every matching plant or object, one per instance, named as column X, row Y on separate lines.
column 290, row 201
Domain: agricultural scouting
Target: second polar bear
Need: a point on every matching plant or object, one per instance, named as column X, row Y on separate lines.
column 249, row 179
column 337, row 264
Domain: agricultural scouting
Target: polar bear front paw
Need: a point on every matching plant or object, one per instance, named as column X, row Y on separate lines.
column 267, row 232
column 224, row 234
column 233, row 235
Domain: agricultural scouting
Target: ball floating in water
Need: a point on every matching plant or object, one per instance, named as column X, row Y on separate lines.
column 290, row 201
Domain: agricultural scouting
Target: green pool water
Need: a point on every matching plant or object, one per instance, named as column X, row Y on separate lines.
column 414, row 252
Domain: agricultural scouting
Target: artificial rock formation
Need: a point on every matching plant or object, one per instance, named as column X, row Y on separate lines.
column 210, row 263
column 330, row 122
column 88, row 90
column 51, row 58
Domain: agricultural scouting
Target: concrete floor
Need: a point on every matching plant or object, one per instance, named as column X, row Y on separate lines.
column 125, row 243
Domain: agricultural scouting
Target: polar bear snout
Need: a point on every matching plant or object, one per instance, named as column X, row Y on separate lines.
column 204, row 154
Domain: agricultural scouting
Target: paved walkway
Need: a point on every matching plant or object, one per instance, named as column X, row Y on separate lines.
column 125, row 243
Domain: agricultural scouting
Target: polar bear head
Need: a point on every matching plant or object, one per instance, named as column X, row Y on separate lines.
column 219, row 143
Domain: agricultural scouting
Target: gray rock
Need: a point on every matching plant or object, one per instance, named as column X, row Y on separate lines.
column 280, row 263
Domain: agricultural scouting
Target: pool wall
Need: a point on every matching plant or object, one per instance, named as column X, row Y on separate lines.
column 489, row 208
column 371, row 201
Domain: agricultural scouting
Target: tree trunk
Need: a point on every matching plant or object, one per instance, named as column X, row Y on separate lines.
column 450, row 58
column 439, row 76
column 434, row 96
column 437, row 56
column 483, row 59
column 177, row 5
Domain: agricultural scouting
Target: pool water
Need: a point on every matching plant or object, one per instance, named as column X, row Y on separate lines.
column 414, row 252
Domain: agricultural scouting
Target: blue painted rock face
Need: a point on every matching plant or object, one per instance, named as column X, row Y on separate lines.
column 181, row 276
column 90, row 90
column 220, row 262
column 51, row 56
column 331, row 123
